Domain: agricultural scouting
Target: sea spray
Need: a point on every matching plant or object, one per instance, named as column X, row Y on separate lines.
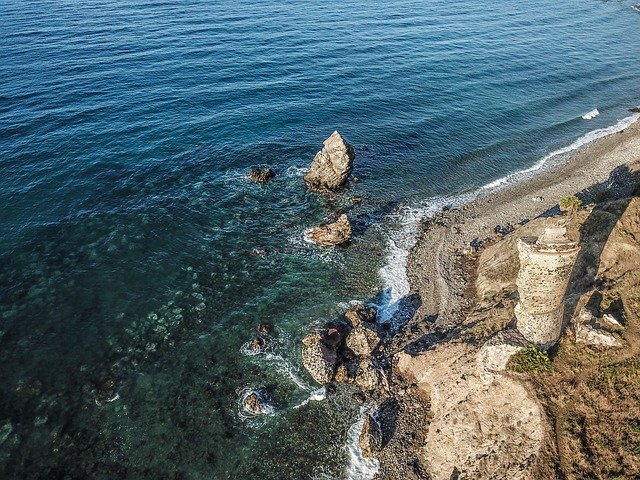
column 591, row 114
column 315, row 396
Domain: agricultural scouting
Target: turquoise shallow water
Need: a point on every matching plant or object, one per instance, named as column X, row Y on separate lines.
column 127, row 229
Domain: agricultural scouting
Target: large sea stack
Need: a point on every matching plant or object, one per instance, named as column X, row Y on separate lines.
column 332, row 165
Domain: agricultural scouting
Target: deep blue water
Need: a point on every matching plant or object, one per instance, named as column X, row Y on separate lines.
column 126, row 129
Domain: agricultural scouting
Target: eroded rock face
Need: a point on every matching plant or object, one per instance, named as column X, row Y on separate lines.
column 485, row 425
column 261, row 175
column 337, row 233
column 332, row 165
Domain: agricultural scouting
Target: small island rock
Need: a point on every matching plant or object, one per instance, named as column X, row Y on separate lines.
column 332, row 165
column 252, row 404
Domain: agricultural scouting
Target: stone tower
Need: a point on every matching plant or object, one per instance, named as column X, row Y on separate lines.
column 545, row 267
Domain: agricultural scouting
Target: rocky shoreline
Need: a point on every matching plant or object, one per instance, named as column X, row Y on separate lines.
column 445, row 405
column 459, row 414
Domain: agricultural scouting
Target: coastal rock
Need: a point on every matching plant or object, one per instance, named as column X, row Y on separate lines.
column 319, row 359
column 257, row 402
column 358, row 314
column 261, row 175
column 370, row 437
column 361, row 340
column 332, row 165
column 337, row 233
column 252, row 404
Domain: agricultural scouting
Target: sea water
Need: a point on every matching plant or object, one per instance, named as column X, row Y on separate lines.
column 132, row 273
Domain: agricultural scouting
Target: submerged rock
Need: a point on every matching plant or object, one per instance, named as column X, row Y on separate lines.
column 261, row 175
column 332, row 165
column 337, row 233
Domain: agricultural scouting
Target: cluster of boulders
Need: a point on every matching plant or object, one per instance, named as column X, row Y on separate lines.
column 346, row 350
column 329, row 169
column 328, row 172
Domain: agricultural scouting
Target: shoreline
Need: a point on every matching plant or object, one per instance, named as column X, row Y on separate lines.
column 442, row 265
column 444, row 238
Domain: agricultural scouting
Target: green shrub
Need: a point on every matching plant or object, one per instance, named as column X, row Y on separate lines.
column 570, row 204
column 530, row 360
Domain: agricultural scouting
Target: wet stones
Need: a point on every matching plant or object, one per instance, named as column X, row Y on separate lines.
column 259, row 343
column 332, row 234
column 261, row 175
column 370, row 439
column 331, row 166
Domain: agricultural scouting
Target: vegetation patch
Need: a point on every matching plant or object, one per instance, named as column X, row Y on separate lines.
column 530, row 360
column 570, row 204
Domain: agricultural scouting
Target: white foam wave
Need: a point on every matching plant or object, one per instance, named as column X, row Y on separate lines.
column 270, row 353
column 315, row 396
column 636, row 7
column 591, row 114
column 400, row 241
column 295, row 171
column 586, row 139
column 359, row 466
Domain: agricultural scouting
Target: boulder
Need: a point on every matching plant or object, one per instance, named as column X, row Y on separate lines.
column 361, row 340
column 261, row 175
column 367, row 377
column 370, row 437
column 337, row 233
column 595, row 337
column 332, row 165
column 319, row 359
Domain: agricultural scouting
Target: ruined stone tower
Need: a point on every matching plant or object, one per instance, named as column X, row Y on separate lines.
column 545, row 267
